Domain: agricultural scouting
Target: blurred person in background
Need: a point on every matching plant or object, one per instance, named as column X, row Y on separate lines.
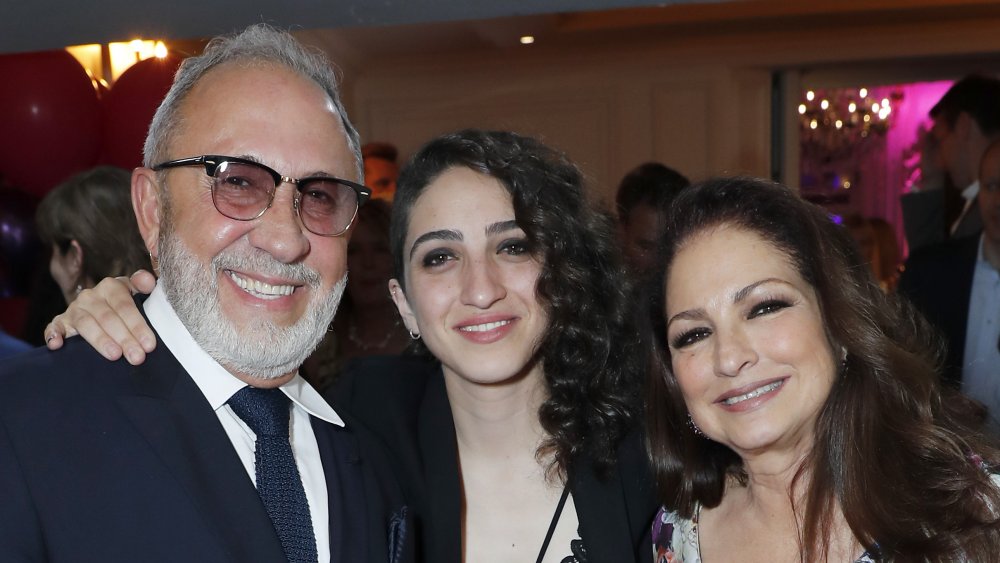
column 367, row 323
column 643, row 200
column 957, row 286
column 89, row 225
column 381, row 169
column 966, row 121
column 877, row 243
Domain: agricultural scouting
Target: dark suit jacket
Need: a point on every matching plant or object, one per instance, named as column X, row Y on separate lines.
column 924, row 219
column 938, row 280
column 101, row 461
column 403, row 401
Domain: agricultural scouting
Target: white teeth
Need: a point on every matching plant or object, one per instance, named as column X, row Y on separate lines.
column 484, row 327
column 261, row 289
column 755, row 393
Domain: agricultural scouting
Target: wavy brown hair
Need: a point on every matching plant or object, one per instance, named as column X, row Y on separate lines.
column 94, row 208
column 590, row 351
column 897, row 454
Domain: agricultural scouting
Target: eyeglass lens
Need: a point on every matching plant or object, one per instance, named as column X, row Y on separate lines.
column 244, row 191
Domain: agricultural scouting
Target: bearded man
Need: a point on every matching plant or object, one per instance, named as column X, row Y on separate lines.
column 215, row 449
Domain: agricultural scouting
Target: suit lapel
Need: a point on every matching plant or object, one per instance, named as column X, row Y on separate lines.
column 349, row 505
column 170, row 412
column 603, row 516
column 439, row 451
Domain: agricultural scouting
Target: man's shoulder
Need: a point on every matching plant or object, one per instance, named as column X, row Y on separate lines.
column 43, row 378
column 41, row 367
column 42, row 389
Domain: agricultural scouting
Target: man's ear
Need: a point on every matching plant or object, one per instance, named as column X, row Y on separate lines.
column 405, row 311
column 146, row 203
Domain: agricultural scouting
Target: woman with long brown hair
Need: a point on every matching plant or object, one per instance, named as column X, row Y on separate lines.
column 794, row 408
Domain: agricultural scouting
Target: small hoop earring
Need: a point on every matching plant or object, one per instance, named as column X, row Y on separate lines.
column 79, row 288
column 694, row 427
column 414, row 335
column 155, row 263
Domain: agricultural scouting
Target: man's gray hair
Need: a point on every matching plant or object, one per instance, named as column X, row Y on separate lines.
column 256, row 45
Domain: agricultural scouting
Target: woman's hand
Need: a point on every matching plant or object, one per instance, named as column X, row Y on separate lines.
column 107, row 318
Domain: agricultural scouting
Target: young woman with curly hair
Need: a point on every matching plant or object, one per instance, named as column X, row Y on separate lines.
column 794, row 408
column 515, row 436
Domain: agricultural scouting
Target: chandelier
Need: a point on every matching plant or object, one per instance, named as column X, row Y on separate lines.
column 836, row 121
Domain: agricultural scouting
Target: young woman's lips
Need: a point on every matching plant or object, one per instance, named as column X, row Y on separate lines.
column 750, row 396
column 484, row 330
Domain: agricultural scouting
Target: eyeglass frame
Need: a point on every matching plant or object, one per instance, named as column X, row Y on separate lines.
column 211, row 162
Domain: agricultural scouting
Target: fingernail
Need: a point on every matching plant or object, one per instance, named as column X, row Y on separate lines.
column 111, row 352
column 132, row 355
column 148, row 343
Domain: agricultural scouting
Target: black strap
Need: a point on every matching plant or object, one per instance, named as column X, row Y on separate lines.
column 552, row 524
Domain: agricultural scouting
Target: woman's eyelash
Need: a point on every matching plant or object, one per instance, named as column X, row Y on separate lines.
column 769, row 306
column 689, row 337
column 515, row 247
column 436, row 258
column 765, row 307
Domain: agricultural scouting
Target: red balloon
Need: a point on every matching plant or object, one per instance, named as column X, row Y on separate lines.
column 50, row 120
column 129, row 107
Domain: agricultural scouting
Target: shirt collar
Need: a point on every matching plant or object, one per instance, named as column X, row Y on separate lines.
column 215, row 382
column 971, row 191
column 981, row 261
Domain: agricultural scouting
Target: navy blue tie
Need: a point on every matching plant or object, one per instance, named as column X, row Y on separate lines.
column 279, row 485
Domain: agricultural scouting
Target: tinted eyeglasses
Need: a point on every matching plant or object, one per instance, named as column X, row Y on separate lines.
column 243, row 190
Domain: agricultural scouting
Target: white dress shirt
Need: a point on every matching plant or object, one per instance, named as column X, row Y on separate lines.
column 218, row 385
column 969, row 194
column 981, row 361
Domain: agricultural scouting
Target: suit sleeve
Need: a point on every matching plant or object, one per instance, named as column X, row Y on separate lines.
column 20, row 530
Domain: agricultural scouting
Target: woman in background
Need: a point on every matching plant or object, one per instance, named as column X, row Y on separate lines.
column 89, row 224
column 795, row 412
column 367, row 323
column 878, row 247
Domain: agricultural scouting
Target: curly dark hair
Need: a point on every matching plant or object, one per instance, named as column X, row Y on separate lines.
column 590, row 351
column 894, row 451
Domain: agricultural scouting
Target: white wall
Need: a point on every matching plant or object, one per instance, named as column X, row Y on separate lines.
column 698, row 100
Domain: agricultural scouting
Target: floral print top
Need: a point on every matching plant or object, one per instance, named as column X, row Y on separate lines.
column 675, row 539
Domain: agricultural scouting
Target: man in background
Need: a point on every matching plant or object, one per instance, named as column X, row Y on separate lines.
column 643, row 200
column 957, row 287
column 966, row 121
column 381, row 169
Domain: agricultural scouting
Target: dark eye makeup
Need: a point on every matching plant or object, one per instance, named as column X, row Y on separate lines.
column 766, row 306
column 514, row 247
column 436, row 257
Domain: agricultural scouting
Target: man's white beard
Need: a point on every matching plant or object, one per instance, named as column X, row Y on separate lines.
column 258, row 347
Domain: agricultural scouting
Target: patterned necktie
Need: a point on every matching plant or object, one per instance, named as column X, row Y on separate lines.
column 266, row 412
